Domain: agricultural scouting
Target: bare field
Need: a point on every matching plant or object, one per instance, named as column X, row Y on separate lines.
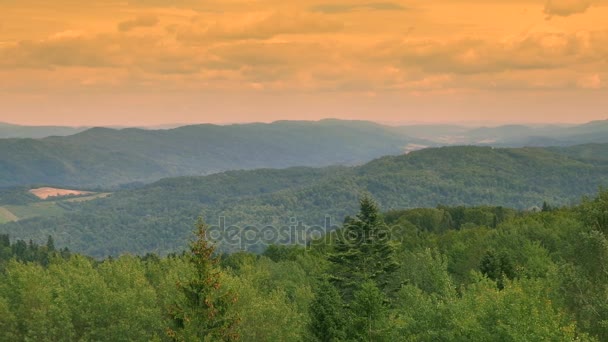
column 44, row 193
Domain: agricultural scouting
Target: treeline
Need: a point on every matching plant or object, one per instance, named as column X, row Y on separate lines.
column 408, row 275
column 158, row 217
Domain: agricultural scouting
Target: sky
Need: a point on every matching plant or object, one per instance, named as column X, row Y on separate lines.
column 153, row 62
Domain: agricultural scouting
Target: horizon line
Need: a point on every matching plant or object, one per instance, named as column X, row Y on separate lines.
column 395, row 123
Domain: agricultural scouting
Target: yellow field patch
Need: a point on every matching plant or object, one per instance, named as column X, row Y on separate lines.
column 46, row 192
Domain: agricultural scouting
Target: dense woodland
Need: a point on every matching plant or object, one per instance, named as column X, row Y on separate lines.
column 158, row 217
column 451, row 273
column 106, row 157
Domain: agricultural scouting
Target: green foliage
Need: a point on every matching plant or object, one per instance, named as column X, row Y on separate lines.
column 370, row 322
column 497, row 267
column 584, row 283
column 427, row 270
column 551, row 268
column 362, row 251
column 328, row 319
column 204, row 313
column 29, row 252
column 594, row 212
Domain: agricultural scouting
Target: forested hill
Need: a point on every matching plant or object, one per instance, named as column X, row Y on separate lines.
column 106, row 157
column 159, row 217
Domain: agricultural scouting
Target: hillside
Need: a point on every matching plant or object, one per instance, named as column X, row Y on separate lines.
column 159, row 217
column 511, row 135
column 103, row 157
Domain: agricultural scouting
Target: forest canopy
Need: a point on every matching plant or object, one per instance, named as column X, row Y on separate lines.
column 487, row 273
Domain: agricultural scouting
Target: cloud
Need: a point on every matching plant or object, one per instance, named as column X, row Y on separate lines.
column 532, row 50
column 277, row 23
column 343, row 8
column 149, row 54
column 56, row 51
column 566, row 8
column 331, row 49
column 141, row 21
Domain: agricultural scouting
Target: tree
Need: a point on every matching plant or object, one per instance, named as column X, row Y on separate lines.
column 327, row 316
column 594, row 212
column 204, row 313
column 497, row 267
column 50, row 244
column 5, row 240
column 370, row 312
column 362, row 251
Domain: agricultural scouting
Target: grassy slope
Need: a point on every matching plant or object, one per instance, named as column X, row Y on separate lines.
column 48, row 208
column 7, row 216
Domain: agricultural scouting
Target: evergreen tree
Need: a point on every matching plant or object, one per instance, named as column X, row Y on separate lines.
column 327, row 318
column 50, row 244
column 362, row 251
column 205, row 314
column 497, row 267
column 5, row 240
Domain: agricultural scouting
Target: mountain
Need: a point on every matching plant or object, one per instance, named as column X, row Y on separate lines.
column 511, row 135
column 103, row 157
column 159, row 217
column 108, row 157
column 525, row 135
column 17, row 131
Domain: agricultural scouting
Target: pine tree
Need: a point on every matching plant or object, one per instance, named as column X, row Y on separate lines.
column 50, row 244
column 5, row 241
column 497, row 267
column 204, row 316
column 327, row 315
column 362, row 251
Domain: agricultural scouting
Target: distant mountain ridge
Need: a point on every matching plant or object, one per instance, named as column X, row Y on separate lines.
column 36, row 132
column 108, row 157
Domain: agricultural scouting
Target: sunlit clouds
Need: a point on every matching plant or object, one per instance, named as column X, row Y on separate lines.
column 146, row 61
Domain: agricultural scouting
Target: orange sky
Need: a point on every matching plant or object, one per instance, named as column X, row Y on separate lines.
column 72, row 62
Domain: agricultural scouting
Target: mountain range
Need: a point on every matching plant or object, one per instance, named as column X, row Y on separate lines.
column 107, row 157
column 104, row 157
column 36, row 132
